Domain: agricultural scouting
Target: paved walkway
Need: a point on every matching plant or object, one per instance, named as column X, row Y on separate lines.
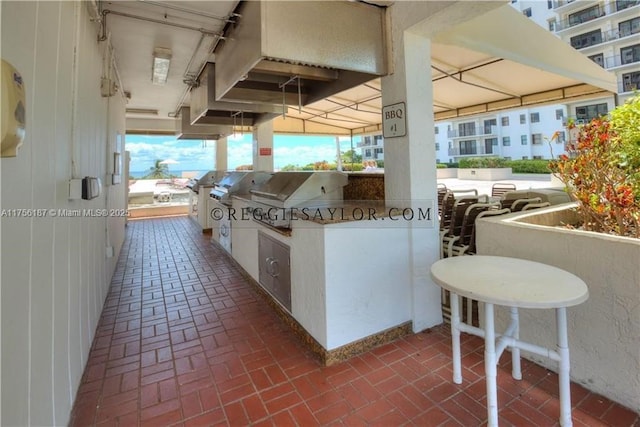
column 185, row 340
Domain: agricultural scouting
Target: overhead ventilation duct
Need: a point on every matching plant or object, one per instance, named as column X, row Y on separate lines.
column 188, row 131
column 206, row 110
column 296, row 53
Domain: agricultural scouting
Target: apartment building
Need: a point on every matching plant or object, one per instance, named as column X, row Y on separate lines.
column 371, row 147
column 607, row 31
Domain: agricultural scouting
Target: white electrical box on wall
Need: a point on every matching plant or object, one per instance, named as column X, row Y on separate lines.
column 13, row 111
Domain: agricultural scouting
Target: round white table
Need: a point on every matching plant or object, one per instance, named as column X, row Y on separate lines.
column 514, row 283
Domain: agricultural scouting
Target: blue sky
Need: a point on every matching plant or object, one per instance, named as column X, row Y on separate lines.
column 199, row 155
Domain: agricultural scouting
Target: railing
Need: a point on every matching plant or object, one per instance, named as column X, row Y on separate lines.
column 616, row 61
column 479, row 150
column 577, row 20
column 610, row 35
column 627, row 86
column 479, row 131
column 560, row 3
column 572, row 22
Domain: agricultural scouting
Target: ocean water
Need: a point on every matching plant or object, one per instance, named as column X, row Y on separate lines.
column 177, row 172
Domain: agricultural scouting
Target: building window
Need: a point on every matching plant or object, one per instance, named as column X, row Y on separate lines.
column 629, row 27
column 467, row 129
column 630, row 54
column 367, row 152
column 506, row 141
column 588, row 112
column 623, row 4
column 536, row 138
column 559, row 114
column 507, row 158
column 492, row 141
column 535, row 117
column 436, row 130
column 525, row 157
column 367, row 140
column 598, row 59
column 377, row 140
column 490, row 126
column 505, row 121
column 537, row 157
column 523, row 119
column 527, row 12
column 549, row 4
column 378, row 150
column 468, row 147
column 585, row 15
column 523, row 139
column 562, row 137
column 587, row 39
column 631, row 81
column 552, row 24
column 437, row 146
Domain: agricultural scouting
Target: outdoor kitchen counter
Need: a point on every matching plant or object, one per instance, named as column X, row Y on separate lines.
column 353, row 211
column 349, row 277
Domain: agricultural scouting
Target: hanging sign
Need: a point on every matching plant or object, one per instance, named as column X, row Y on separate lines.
column 265, row 151
column 394, row 122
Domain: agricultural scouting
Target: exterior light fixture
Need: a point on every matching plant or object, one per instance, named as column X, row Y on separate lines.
column 161, row 61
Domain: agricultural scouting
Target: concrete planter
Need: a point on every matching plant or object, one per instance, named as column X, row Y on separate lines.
column 447, row 173
column 603, row 331
column 485, row 174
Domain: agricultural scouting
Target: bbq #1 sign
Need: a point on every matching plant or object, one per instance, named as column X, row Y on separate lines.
column 394, row 122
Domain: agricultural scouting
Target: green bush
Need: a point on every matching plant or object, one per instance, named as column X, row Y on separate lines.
column 453, row 165
column 529, row 166
column 482, row 163
column 441, row 166
column 380, row 163
column 355, row 167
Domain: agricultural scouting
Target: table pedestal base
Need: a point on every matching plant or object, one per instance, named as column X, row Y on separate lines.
column 494, row 346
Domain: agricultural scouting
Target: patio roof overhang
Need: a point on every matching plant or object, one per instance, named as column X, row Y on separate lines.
column 497, row 61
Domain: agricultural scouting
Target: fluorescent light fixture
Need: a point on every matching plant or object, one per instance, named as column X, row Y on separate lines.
column 161, row 61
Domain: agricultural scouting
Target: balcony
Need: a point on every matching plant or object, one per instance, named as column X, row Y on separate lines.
column 605, row 36
column 481, row 131
column 479, row 150
column 577, row 19
column 619, row 61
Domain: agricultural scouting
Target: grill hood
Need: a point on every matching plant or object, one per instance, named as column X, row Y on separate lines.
column 206, row 110
column 296, row 53
column 189, row 131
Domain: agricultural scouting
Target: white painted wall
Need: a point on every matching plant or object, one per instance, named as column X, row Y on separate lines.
column 55, row 274
column 604, row 330
column 368, row 288
column 244, row 239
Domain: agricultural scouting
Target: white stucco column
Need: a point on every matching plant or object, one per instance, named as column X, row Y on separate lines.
column 410, row 172
column 221, row 155
column 263, row 147
column 410, row 160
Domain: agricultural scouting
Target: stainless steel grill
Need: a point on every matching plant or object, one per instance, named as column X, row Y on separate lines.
column 207, row 178
column 237, row 182
column 273, row 201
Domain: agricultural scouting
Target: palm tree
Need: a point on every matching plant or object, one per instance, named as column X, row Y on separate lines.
column 159, row 170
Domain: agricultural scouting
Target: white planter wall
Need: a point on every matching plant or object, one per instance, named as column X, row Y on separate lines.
column 485, row 174
column 447, row 173
column 604, row 332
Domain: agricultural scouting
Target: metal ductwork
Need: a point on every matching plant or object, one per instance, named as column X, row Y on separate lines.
column 296, row 53
column 206, row 110
column 188, row 131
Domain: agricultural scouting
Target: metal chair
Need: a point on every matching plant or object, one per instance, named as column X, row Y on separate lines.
column 459, row 244
column 457, row 216
column 500, row 188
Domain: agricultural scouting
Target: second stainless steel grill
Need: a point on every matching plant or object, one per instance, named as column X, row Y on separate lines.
column 274, row 201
